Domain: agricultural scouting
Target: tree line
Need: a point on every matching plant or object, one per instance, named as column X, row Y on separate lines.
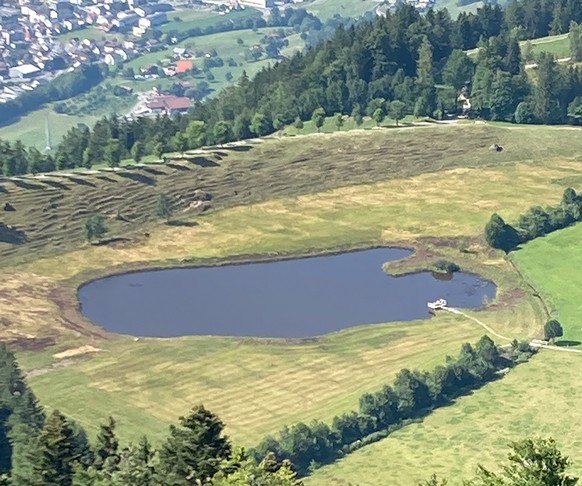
column 39, row 448
column 417, row 61
column 535, row 222
column 413, row 395
column 63, row 86
column 300, row 19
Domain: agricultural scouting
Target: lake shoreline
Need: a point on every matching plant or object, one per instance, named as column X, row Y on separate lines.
column 408, row 285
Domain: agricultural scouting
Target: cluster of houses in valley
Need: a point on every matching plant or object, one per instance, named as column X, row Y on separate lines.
column 32, row 49
column 421, row 5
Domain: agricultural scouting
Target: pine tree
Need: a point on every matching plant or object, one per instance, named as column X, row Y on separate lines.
column 165, row 207
column 57, row 453
column 21, row 418
column 194, row 449
column 424, row 67
column 106, row 449
column 137, row 467
column 575, row 37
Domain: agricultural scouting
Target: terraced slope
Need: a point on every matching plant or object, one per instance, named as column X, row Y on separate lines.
column 50, row 211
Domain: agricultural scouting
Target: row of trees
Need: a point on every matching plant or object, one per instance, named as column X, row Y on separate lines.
column 62, row 87
column 298, row 18
column 402, row 57
column 537, row 221
column 412, row 395
column 41, row 450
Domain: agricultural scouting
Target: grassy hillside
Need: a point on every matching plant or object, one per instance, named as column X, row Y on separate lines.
column 51, row 210
column 558, row 45
column 31, row 129
column 423, row 185
column 186, row 19
column 325, row 9
column 551, row 264
column 534, row 400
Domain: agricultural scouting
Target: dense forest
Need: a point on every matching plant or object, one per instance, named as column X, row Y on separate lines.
column 37, row 448
column 416, row 60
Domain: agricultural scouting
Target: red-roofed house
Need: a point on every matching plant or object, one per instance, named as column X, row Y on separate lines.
column 184, row 65
column 169, row 104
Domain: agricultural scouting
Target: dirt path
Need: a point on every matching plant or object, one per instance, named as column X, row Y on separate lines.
column 557, row 348
column 491, row 331
column 481, row 323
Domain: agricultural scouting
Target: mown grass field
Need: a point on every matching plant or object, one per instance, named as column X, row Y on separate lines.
column 538, row 399
column 51, row 210
column 552, row 265
column 191, row 18
column 255, row 386
column 274, row 196
column 558, row 45
column 31, row 129
column 326, row 9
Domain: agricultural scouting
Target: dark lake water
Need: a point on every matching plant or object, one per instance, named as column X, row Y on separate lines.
column 294, row 298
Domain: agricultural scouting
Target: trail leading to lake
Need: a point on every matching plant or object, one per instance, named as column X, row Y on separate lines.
column 488, row 329
column 481, row 323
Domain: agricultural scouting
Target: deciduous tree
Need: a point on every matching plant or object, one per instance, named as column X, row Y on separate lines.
column 95, row 227
column 260, row 124
column 501, row 235
column 531, row 462
column 338, row 121
column 137, row 151
column 553, row 329
column 378, row 116
column 318, row 118
column 397, row 110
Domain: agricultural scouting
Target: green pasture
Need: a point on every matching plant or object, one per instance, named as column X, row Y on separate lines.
column 325, row 9
column 31, row 129
column 92, row 33
column 558, row 45
column 191, row 18
column 552, row 264
column 537, row 399
column 426, row 186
